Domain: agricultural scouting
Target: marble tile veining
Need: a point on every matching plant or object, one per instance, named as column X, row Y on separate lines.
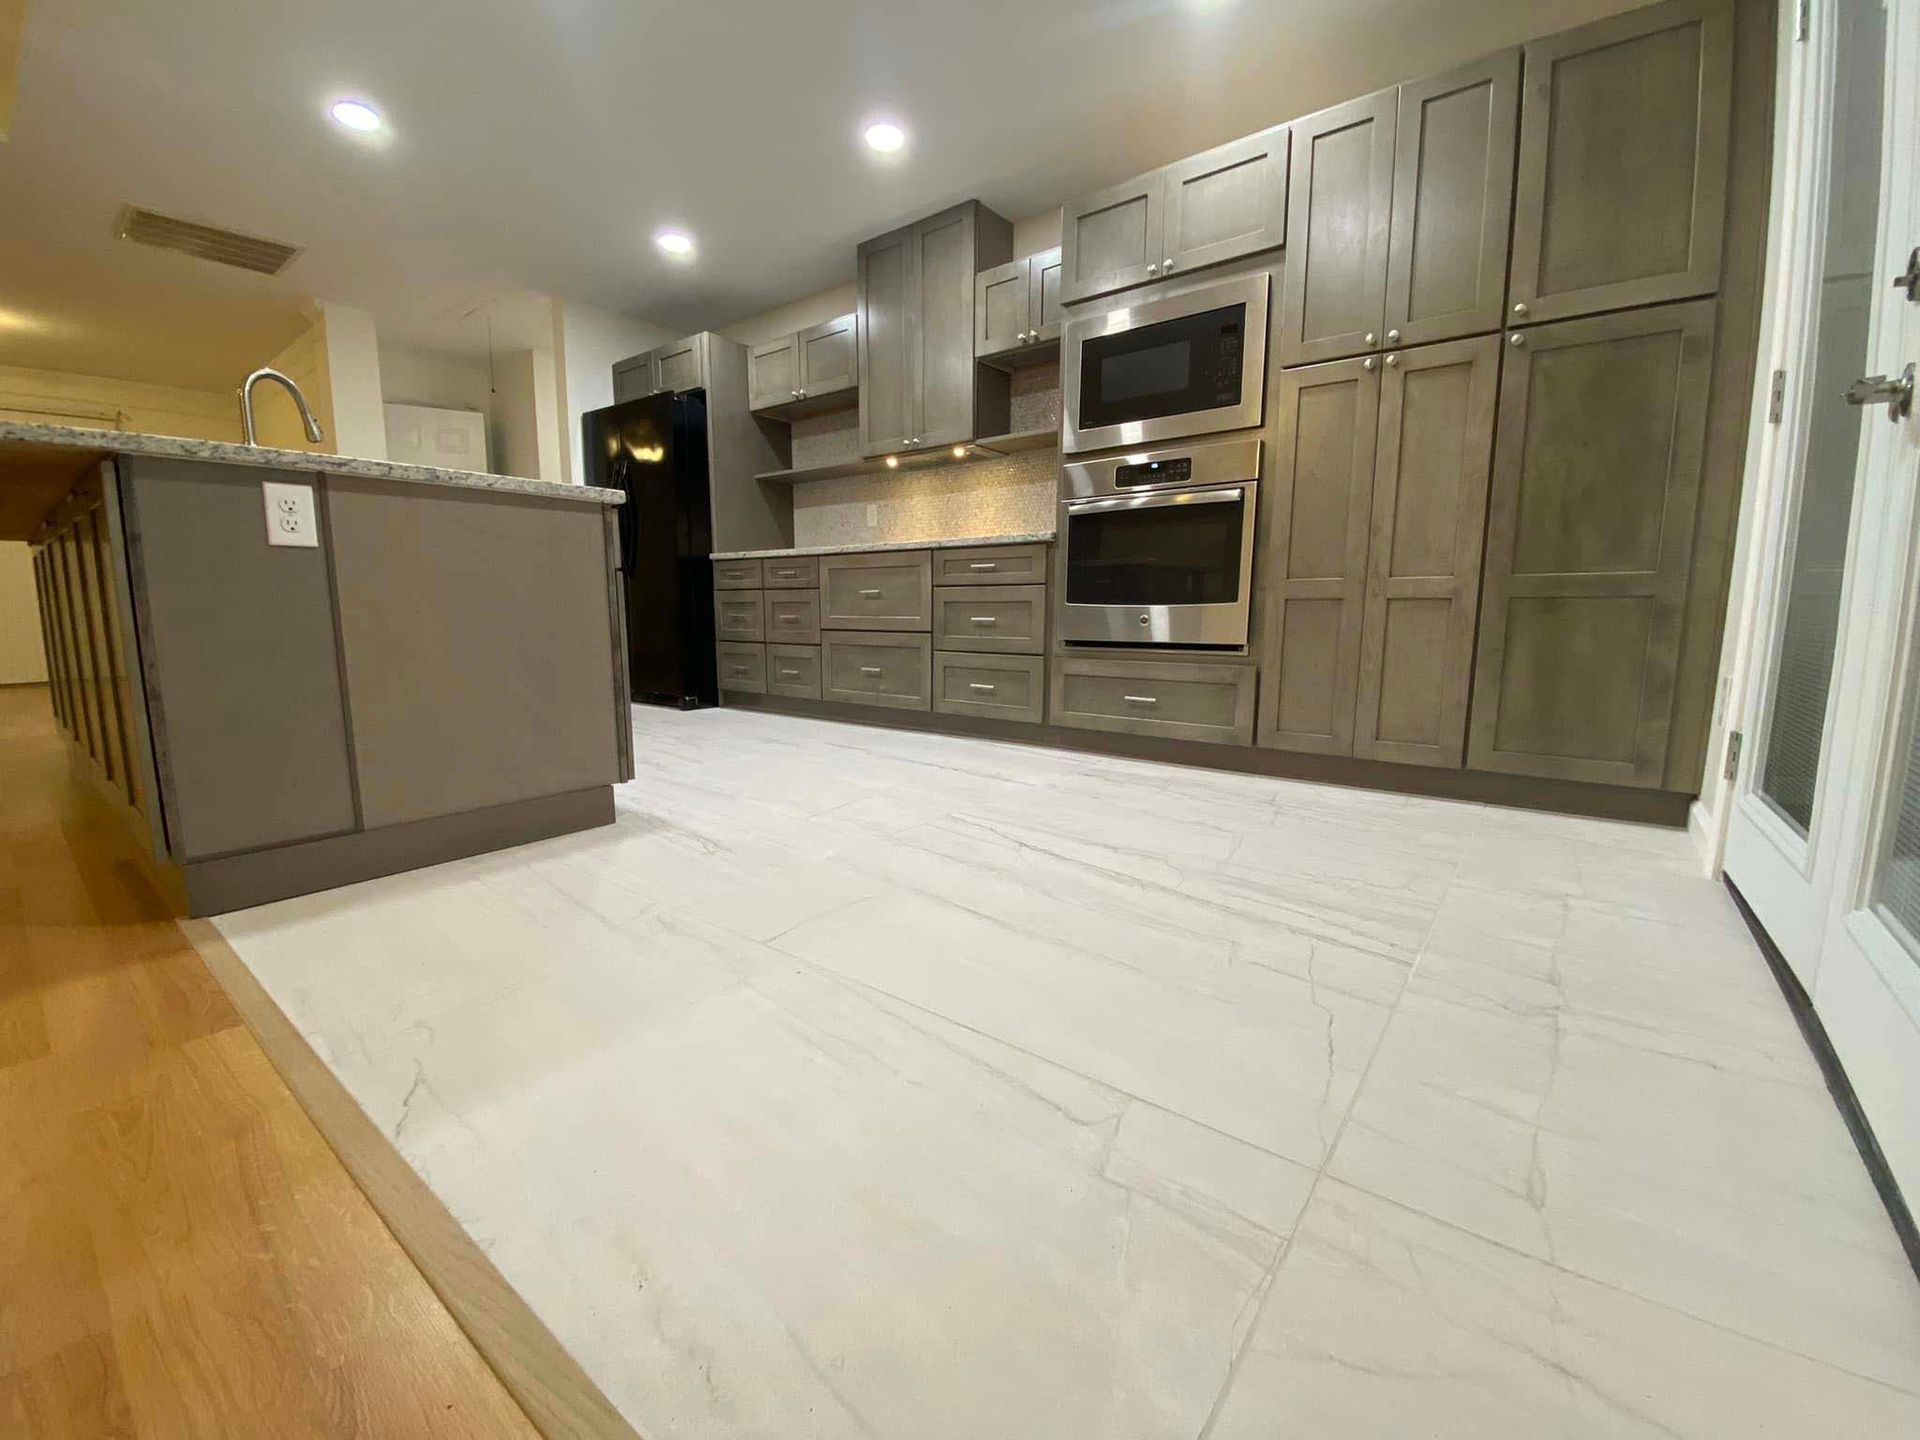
column 861, row 1082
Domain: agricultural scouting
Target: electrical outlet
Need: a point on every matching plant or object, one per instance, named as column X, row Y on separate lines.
column 873, row 515
column 290, row 519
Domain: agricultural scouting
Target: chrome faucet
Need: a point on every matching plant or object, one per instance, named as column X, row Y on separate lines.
column 267, row 372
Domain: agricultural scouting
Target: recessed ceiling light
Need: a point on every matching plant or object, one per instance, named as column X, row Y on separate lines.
column 357, row 116
column 884, row 137
column 676, row 243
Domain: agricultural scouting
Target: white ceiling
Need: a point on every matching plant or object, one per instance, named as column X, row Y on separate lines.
column 537, row 144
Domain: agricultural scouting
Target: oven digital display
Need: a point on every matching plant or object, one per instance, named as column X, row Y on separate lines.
column 1153, row 472
column 1180, row 366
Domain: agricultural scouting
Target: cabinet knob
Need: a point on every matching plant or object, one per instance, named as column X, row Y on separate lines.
column 1152, row 269
column 803, row 394
column 1392, row 360
column 1370, row 337
column 1516, row 339
column 1167, row 264
column 1023, row 337
column 1367, row 364
column 1520, row 307
column 1393, row 337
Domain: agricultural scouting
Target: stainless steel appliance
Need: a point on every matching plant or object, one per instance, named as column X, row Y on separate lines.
column 1159, row 546
column 1192, row 363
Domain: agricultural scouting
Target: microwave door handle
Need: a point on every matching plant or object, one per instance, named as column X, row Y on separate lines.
column 1231, row 496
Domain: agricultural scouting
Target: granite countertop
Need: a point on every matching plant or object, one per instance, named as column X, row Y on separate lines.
column 1035, row 537
column 91, row 444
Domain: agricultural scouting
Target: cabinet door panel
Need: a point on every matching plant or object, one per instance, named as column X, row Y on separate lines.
column 1043, row 289
column 1315, row 562
column 886, row 343
column 1337, row 229
column 1452, row 202
column 633, row 379
column 829, row 358
column 1423, row 571
column 1229, row 202
column 889, row 590
column 943, row 329
column 773, row 373
column 1596, row 482
column 1623, row 162
column 1111, row 239
column 683, row 366
column 1002, row 308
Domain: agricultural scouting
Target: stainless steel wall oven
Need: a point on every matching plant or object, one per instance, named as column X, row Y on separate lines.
column 1193, row 363
column 1158, row 547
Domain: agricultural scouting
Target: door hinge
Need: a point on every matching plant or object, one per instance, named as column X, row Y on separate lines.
column 1733, row 755
column 1777, row 397
column 1803, row 20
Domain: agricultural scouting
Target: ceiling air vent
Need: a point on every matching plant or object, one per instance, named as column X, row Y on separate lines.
column 224, row 247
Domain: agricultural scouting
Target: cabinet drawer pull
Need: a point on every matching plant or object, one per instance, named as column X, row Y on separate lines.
column 985, row 689
column 736, row 669
column 787, row 574
column 786, row 674
column 787, row 619
column 982, row 565
column 869, row 594
column 870, row 670
column 983, row 619
column 1141, row 699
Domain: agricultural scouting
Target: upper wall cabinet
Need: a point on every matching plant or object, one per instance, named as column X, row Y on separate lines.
column 810, row 370
column 679, row 367
column 1016, row 309
column 1622, row 185
column 1398, row 234
column 918, row 380
column 1217, row 206
column 1596, row 487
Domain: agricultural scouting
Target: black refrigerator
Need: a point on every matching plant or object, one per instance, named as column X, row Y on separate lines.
column 655, row 450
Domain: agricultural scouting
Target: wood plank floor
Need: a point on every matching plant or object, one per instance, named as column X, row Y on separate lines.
column 180, row 1252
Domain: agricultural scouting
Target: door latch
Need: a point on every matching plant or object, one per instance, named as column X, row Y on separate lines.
column 1893, row 391
column 1909, row 279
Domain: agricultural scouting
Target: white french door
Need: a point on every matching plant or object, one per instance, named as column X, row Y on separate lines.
column 1823, row 841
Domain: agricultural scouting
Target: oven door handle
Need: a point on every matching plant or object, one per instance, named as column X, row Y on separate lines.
column 1232, row 495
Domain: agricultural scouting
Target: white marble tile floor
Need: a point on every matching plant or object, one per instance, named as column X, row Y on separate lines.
column 867, row 1083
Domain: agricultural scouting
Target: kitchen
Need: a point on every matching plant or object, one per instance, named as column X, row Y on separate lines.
column 1162, row 872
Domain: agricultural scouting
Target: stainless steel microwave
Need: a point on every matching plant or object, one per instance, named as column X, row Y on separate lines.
column 1159, row 546
column 1192, row 363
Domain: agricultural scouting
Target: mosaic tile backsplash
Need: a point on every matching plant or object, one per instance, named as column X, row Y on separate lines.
column 1013, row 494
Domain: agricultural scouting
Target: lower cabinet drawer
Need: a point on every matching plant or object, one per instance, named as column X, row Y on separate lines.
column 736, row 574
column 877, row 668
column 886, row 590
column 998, row 619
column 800, row 573
column 1000, row 687
column 739, row 615
column 991, row 565
column 793, row 617
column 1153, row 697
column 794, row 670
column 742, row 667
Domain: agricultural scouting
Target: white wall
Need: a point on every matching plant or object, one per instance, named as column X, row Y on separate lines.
column 526, row 416
column 23, row 659
column 437, row 379
column 353, row 367
column 588, row 340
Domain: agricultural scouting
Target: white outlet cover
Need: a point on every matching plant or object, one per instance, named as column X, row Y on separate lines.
column 290, row 517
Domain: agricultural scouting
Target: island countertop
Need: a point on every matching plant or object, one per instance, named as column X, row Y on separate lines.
column 40, row 463
column 964, row 542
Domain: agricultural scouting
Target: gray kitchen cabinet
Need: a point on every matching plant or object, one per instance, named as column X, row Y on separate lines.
column 1335, row 280
column 1003, row 619
column 877, row 668
column 737, row 574
column 919, row 386
column 1175, row 701
column 1622, row 181
column 773, row 373
column 740, row 614
column 829, row 357
column 794, row 670
column 633, row 379
column 1590, row 534
column 1016, row 309
column 881, row 590
column 742, row 667
column 798, row 572
column 681, row 366
column 793, row 616
column 1222, row 204
column 1319, row 503
column 1452, row 202
column 994, row 687
column 991, row 565
column 1430, row 472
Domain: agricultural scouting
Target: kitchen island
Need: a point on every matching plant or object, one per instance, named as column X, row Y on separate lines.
column 366, row 668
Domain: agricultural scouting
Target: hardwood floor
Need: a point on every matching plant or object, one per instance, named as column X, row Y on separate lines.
column 181, row 1254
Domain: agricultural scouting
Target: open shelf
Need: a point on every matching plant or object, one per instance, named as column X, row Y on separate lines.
column 988, row 447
